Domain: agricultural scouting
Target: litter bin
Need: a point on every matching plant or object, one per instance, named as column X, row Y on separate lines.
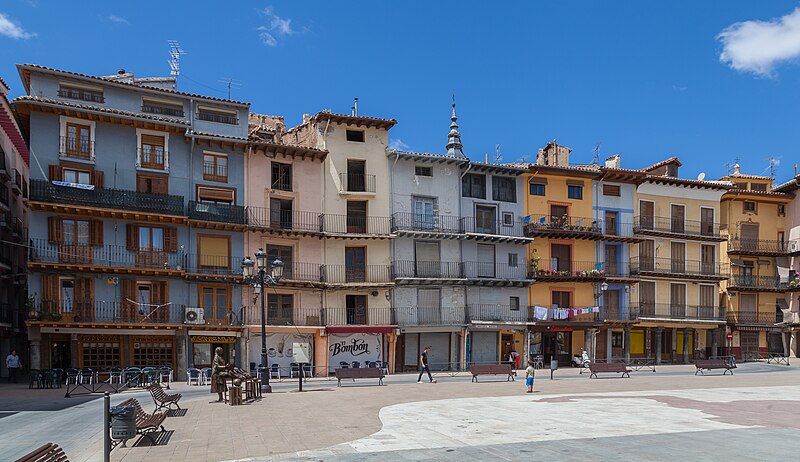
column 123, row 422
column 553, row 367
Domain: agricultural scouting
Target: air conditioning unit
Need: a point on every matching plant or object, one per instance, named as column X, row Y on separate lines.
column 793, row 244
column 194, row 316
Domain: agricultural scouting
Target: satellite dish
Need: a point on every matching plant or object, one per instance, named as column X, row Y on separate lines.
column 701, row 176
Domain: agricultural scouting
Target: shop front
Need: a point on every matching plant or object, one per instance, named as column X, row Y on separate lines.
column 357, row 346
column 202, row 346
column 280, row 351
column 444, row 353
column 561, row 343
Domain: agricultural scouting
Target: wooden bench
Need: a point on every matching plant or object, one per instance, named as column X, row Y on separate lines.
column 620, row 368
column 146, row 423
column 709, row 364
column 491, row 369
column 359, row 373
column 50, row 452
column 162, row 399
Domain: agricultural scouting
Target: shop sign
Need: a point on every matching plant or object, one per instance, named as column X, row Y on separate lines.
column 560, row 329
column 354, row 347
column 212, row 339
column 730, row 335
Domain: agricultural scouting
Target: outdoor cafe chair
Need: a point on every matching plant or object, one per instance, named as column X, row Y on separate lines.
column 356, row 364
column 48, row 380
column 133, row 376
column 294, row 368
column 383, row 366
column 206, row 376
column 115, row 375
column 369, row 364
column 165, row 375
column 193, row 375
column 275, row 370
column 344, row 365
column 148, row 375
column 58, row 377
column 73, row 376
column 87, row 375
column 35, row 376
column 308, row 370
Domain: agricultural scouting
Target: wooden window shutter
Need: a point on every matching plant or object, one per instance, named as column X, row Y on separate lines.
column 96, row 232
column 160, row 293
column 161, row 186
column 171, row 239
column 153, row 140
column 129, row 311
column 84, row 290
column 49, row 290
column 54, row 230
column 54, row 171
column 97, row 179
column 132, row 235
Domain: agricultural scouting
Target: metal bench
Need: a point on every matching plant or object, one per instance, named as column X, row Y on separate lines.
column 162, row 399
column 619, row 368
column 50, row 452
column 702, row 365
column 146, row 423
column 359, row 373
column 491, row 369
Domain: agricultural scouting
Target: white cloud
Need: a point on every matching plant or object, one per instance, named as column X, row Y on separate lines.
column 398, row 145
column 118, row 19
column 13, row 30
column 276, row 27
column 758, row 46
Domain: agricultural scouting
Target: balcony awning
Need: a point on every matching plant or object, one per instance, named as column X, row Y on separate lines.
column 359, row 329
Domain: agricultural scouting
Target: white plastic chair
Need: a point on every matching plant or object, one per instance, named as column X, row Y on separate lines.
column 206, row 373
column 193, row 375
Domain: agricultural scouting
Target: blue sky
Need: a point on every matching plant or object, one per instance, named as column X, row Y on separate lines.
column 641, row 78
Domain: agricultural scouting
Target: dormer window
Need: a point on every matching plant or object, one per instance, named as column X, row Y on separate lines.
column 355, row 135
column 162, row 108
column 758, row 186
column 672, row 170
column 217, row 115
column 93, row 95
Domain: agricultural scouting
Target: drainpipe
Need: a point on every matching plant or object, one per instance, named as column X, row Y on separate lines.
column 461, row 243
column 189, row 184
column 391, row 203
column 324, row 293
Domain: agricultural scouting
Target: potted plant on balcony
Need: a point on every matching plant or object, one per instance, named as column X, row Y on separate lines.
column 535, row 265
column 30, row 306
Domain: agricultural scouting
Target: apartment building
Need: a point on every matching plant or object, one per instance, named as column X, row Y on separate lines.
column 458, row 258
column 758, row 250
column 356, row 249
column 137, row 221
column 14, row 166
column 791, row 305
column 679, row 264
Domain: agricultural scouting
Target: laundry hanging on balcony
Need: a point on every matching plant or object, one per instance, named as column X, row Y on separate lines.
column 543, row 314
column 89, row 187
column 540, row 313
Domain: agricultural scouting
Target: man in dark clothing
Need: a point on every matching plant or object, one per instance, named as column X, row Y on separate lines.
column 423, row 365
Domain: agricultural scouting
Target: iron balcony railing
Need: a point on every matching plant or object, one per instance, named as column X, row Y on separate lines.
column 539, row 224
column 284, row 220
column 162, row 110
column 215, row 265
column 121, row 199
column 574, row 314
column 407, row 221
column 357, row 182
column 620, row 313
column 698, row 268
column 617, row 269
column 5, row 254
column 513, row 228
column 78, row 148
column 109, row 312
column 6, row 313
column 152, row 158
column 427, row 269
column 3, row 195
column 17, row 228
column 413, row 316
column 217, row 117
column 283, row 316
column 746, row 281
column 652, row 224
column 4, row 174
column 356, row 224
column 214, row 171
column 759, row 246
column 357, row 316
column 218, row 212
column 497, row 313
column 346, row 274
column 83, row 95
column 681, row 312
column 487, row 270
column 755, row 317
column 566, row 269
column 301, row 272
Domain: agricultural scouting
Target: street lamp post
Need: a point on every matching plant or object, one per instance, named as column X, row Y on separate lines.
column 259, row 281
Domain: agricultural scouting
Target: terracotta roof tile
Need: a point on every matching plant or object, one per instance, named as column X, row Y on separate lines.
column 355, row 120
column 105, row 110
column 664, row 162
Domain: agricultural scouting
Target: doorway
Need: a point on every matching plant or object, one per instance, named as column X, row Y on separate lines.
column 61, row 355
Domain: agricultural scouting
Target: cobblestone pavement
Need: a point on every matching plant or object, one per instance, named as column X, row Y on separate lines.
column 659, row 416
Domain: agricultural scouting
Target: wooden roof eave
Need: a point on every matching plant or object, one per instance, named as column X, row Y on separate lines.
column 272, row 150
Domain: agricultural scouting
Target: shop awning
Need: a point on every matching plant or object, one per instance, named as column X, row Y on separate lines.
column 360, row 329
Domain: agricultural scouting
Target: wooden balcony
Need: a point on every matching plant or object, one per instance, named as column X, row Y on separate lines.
column 670, row 227
column 759, row 247
column 358, row 316
column 575, row 271
column 565, row 227
column 678, row 269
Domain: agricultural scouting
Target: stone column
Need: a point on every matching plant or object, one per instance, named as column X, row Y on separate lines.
column 627, row 344
column 686, row 345
column 659, row 339
column 73, row 345
column 462, row 348
column 587, row 342
column 608, row 344
column 715, row 342
column 392, row 350
column 181, row 358
column 696, row 340
column 35, row 338
column 648, row 344
column 785, row 344
column 593, row 353
column 674, row 344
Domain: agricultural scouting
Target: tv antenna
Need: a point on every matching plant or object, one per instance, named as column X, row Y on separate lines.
column 773, row 162
column 497, row 155
column 175, row 52
column 229, row 82
column 596, row 154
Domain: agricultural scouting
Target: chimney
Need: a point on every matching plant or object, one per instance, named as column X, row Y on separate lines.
column 121, row 71
column 795, row 170
column 487, row 157
column 355, row 107
column 614, row 161
column 736, row 168
column 553, row 155
column 306, row 118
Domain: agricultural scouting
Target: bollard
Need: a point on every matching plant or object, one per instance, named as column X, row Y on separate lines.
column 106, row 427
column 300, row 375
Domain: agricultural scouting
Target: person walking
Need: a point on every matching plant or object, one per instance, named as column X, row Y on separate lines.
column 13, row 364
column 529, row 377
column 423, row 365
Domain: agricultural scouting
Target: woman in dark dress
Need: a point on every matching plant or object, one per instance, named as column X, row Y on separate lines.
column 219, row 371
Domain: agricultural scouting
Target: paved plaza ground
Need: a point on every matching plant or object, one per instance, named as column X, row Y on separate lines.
column 664, row 415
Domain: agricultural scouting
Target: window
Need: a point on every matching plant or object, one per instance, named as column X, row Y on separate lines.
column 214, row 252
column 707, row 226
column 473, row 185
column 151, row 239
column 152, row 184
column 423, row 171
column 101, row 353
column 611, row 223
column 647, row 297
column 575, row 192
column 647, row 214
column 708, row 295
column 67, row 295
column 504, row 189
column 677, row 257
column 560, row 257
column 427, row 260
column 513, row 303
column 152, row 153
column 356, row 177
column 611, row 190
column 486, row 267
column 355, row 262
column 423, row 212
column 758, row 186
column 215, row 302
column 280, row 309
column 537, row 189
column 429, row 302
column 617, row 340
column 561, row 299
column 357, row 217
column 677, row 218
column 215, row 167
column 218, row 116
column 513, row 260
column 281, row 176
column 83, row 94
column 508, row 219
column 158, row 107
column 77, row 142
column 485, row 219
column 280, row 213
column 355, row 135
column 749, row 206
column 153, row 350
column 356, row 309
column 76, row 232
column 781, row 210
column 215, row 195
column 285, row 254
column 76, row 176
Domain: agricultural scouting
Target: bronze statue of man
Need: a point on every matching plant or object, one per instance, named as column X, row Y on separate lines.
column 219, row 372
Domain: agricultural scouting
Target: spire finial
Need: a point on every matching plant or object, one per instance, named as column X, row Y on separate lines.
column 454, row 138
